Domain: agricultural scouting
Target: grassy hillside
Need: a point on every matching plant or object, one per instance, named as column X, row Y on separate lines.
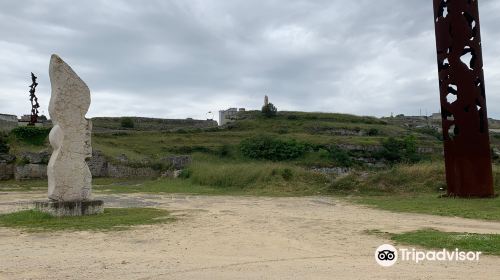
column 106, row 124
column 316, row 129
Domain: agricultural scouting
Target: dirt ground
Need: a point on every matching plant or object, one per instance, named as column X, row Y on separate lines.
column 223, row 237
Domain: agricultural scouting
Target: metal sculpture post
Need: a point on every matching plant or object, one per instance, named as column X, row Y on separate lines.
column 34, row 101
column 463, row 100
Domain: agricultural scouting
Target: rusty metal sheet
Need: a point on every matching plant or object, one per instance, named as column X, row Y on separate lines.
column 463, row 99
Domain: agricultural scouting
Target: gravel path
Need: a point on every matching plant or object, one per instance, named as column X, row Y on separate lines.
column 225, row 237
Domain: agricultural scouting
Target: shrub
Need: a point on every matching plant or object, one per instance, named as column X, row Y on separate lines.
column 400, row 150
column 269, row 110
column 287, row 174
column 372, row 132
column 267, row 147
column 223, row 151
column 127, row 122
column 185, row 174
column 340, row 157
column 31, row 134
column 4, row 148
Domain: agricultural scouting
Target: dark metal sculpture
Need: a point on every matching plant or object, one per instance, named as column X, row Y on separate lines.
column 34, row 101
column 463, row 99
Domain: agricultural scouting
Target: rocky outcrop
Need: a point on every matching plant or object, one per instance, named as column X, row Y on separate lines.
column 123, row 171
column 121, row 167
column 32, row 165
column 7, row 166
column 30, row 171
column 98, row 164
column 177, row 162
column 35, row 157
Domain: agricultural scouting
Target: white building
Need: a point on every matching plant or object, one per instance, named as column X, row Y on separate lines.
column 229, row 115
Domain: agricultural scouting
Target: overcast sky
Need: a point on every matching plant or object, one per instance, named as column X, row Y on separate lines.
column 183, row 58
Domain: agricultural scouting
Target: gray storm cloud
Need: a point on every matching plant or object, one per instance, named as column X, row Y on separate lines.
column 179, row 59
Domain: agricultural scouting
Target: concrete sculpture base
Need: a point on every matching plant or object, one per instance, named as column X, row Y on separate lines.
column 70, row 208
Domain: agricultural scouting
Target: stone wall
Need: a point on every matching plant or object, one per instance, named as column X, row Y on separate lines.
column 34, row 166
column 30, row 171
column 100, row 167
column 107, row 124
column 98, row 164
column 7, row 166
column 7, row 126
column 123, row 171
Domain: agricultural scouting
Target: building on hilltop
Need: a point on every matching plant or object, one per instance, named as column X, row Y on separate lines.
column 229, row 115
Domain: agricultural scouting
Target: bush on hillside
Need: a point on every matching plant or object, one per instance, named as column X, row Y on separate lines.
column 340, row 157
column 127, row 122
column 269, row 110
column 400, row 150
column 372, row 132
column 31, row 134
column 267, row 147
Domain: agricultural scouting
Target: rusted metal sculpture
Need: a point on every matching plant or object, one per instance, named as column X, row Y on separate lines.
column 34, row 101
column 463, row 99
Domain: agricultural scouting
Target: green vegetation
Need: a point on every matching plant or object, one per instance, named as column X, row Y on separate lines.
column 257, row 155
column 414, row 188
column 401, row 179
column 429, row 238
column 400, row 150
column 4, row 147
column 269, row 110
column 487, row 209
column 111, row 219
column 127, row 122
column 31, row 134
column 340, row 157
column 267, row 147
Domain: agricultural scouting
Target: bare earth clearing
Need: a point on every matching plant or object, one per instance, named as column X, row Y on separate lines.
column 223, row 237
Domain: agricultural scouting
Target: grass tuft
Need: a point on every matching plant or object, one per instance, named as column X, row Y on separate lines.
column 112, row 219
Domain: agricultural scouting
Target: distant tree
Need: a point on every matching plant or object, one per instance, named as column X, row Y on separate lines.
column 269, row 110
column 127, row 122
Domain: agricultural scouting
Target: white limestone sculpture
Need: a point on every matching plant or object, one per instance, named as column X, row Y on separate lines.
column 69, row 177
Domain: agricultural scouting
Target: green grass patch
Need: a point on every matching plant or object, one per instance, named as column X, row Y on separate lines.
column 486, row 209
column 111, row 219
column 416, row 189
column 433, row 239
column 426, row 177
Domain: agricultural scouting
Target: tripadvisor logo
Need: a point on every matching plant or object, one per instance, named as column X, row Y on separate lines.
column 387, row 255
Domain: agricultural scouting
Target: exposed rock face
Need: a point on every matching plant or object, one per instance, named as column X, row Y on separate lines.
column 69, row 176
column 7, row 166
column 98, row 164
column 35, row 158
column 178, row 162
column 31, row 171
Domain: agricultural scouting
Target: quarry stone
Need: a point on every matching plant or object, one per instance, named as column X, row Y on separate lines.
column 177, row 162
column 34, row 157
column 30, row 171
column 69, row 177
column 98, row 164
